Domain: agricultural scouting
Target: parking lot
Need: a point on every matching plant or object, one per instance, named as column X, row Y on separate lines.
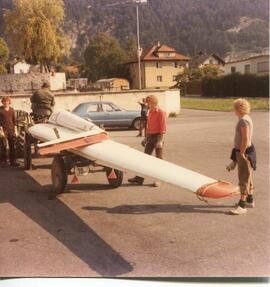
column 91, row 230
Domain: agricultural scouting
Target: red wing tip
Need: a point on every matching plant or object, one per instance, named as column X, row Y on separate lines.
column 218, row 189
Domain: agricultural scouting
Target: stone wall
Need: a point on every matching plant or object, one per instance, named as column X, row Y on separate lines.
column 25, row 83
column 169, row 100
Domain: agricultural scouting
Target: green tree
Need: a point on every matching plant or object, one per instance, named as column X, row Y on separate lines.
column 3, row 55
column 193, row 74
column 130, row 48
column 35, row 29
column 104, row 58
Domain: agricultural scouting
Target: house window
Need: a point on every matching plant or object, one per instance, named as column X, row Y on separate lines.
column 174, row 78
column 233, row 70
column 247, row 69
column 167, row 54
column 175, row 64
column 158, row 65
column 159, row 78
column 263, row 67
column 211, row 62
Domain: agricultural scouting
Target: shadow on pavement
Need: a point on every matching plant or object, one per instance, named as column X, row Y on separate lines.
column 23, row 192
column 158, row 208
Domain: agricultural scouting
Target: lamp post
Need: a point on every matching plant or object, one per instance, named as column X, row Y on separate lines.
column 139, row 49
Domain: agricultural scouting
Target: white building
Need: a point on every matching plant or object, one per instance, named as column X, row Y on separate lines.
column 201, row 60
column 21, row 68
column 253, row 65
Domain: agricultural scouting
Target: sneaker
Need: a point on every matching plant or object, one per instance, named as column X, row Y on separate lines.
column 238, row 211
column 136, row 180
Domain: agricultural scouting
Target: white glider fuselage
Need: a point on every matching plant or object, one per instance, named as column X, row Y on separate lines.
column 116, row 155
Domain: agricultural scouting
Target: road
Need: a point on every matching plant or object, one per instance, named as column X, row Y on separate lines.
column 92, row 230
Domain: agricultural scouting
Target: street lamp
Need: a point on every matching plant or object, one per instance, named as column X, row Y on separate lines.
column 139, row 49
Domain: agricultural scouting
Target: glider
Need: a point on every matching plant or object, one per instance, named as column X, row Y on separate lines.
column 78, row 143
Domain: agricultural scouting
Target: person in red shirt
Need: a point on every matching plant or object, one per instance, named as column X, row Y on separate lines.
column 155, row 131
column 7, row 132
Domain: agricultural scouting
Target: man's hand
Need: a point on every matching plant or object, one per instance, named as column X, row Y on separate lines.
column 231, row 166
column 16, row 132
column 143, row 143
column 159, row 143
column 2, row 134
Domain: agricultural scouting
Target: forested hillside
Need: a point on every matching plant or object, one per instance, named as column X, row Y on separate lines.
column 191, row 26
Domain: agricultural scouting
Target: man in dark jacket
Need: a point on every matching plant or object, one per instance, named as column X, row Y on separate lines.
column 43, row 101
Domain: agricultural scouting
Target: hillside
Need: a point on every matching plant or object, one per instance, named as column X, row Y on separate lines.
column 191, row 26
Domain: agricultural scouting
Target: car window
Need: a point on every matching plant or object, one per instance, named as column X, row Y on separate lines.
column 108, row 108
column 93, row 108
column 78, row 108
column 116, row 108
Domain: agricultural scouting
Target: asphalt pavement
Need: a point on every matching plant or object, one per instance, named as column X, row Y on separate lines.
column 92, row 230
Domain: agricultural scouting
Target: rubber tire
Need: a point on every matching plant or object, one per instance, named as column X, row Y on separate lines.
column 27, row 155
column 114, row 183
column 136, row 124
column 59, row 174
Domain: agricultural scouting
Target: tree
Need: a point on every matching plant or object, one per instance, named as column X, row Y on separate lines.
column 130, row 48
column 193, row 74
column 35, row 31
column 104, row 58
column 210, row 71
column 3, row 55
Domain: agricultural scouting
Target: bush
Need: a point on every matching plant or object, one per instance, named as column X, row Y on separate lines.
column 236, row 85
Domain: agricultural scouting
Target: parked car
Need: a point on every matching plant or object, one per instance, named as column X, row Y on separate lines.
column 108, row 114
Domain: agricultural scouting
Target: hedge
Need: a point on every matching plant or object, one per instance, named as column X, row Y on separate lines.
column 236, row 85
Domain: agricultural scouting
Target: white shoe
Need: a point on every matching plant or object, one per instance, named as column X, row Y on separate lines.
column 238, row 211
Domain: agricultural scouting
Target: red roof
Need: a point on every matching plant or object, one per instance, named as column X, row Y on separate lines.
column 165, row 48
column 152, row 54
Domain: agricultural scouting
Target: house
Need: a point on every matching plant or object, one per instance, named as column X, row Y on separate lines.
column 202, row 60
column 113, row 84
column 258, row 64
column 19, row 67
column 160, row 66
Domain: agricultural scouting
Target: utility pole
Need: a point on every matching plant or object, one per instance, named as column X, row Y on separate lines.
column 139, row 49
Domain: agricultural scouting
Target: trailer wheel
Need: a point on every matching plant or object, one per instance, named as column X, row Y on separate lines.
column 59, row 174
column 115, row 177
column 27, row 155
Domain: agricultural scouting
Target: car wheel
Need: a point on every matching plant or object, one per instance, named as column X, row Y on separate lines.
column 136, row 124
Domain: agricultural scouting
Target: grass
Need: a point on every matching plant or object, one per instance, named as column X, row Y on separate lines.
column 223, row 104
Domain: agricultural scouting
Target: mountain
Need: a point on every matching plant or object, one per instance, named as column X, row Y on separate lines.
column 191, row 26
